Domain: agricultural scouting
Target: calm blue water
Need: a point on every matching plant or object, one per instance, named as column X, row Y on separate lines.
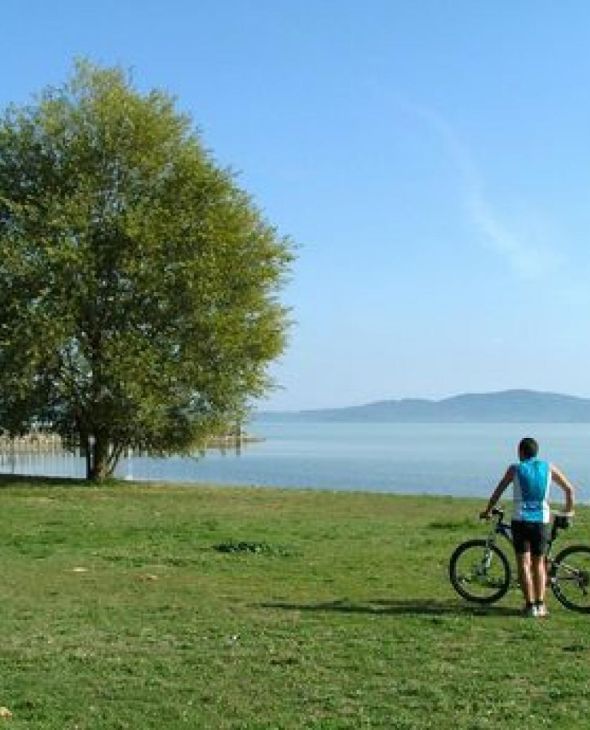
column 457, row 459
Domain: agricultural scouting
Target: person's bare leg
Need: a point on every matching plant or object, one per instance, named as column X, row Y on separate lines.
column 539, row 579
column 523, row 561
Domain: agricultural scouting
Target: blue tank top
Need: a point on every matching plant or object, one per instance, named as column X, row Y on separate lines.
column 532, row 479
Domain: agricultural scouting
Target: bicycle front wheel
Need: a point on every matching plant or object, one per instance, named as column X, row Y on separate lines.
column 570, row 578
column 479, row 572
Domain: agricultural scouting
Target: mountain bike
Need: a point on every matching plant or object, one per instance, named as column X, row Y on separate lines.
column 480, row 571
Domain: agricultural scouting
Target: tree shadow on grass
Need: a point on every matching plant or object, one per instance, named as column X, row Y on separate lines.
column 398, row 607
column 10, row 481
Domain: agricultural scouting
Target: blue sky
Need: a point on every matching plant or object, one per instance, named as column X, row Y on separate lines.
column 430, row 158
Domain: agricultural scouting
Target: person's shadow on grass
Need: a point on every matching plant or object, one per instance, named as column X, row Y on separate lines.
column 397, row 607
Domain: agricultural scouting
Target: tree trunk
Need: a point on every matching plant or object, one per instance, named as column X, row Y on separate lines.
column 98, row 464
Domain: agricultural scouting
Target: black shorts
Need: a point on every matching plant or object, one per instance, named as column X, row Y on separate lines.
column 531, row 536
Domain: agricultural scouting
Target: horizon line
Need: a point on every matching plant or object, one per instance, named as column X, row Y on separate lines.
column 423, row 399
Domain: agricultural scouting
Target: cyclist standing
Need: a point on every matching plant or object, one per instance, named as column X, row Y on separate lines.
column 531, row 529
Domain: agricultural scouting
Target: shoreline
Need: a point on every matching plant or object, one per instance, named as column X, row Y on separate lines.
column 8, row 481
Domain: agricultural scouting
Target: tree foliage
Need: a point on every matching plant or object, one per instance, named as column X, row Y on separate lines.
column 138, row 282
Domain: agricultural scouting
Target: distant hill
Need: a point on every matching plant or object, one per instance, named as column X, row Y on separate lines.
column 509, row 406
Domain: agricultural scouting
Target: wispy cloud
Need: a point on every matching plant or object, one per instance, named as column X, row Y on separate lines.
column 526, row 251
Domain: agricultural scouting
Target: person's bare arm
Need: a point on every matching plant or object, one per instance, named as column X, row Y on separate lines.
column 503, row 484
column 560, row 479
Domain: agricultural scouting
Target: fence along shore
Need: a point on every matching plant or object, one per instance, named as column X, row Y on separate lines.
column 47, row 443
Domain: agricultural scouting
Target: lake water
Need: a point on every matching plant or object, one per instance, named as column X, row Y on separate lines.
column 456, row 459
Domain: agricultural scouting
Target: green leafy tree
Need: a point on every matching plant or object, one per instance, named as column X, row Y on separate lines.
column 138, row 282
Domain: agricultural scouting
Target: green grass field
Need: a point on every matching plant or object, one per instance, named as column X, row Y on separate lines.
column 117, row 611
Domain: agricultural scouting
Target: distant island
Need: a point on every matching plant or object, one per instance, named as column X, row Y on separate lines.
column 509, row 406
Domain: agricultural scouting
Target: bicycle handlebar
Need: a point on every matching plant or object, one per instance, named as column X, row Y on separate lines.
column 560, row 521
column 494, row 512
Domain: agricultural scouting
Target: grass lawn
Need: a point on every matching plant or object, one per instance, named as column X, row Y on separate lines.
column 117, row 611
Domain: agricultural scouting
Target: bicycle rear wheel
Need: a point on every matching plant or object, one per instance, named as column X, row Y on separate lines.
column 570, row 578
column 479, row 572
